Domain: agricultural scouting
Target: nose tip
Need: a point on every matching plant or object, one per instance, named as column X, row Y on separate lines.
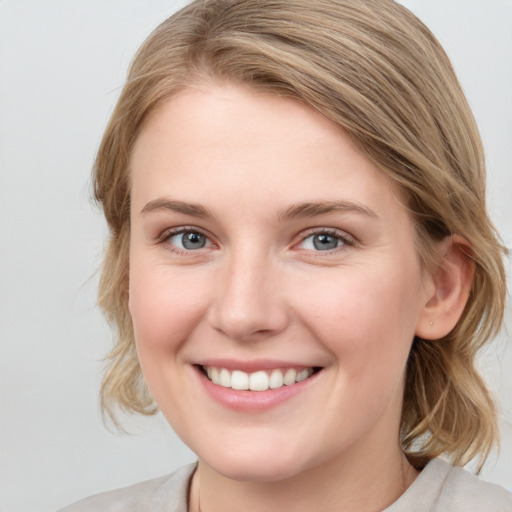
column 249, row 305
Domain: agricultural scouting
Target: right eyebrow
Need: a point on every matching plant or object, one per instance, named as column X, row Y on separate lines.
column 195, row 210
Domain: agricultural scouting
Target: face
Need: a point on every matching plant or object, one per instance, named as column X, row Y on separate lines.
column 267, row 252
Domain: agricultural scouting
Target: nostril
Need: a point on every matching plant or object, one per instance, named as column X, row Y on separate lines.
column 252, row 324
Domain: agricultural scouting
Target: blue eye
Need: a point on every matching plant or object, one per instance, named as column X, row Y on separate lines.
column 189, row 240
column 323, row 242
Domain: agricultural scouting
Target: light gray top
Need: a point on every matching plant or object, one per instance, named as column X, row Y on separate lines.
column 439, row 488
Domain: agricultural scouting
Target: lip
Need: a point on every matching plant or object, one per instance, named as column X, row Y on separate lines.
column 252, row 401
column 252, row 366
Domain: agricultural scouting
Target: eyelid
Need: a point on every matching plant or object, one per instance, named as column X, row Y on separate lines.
column 170, row 232
column 346, row 238
column 167, row 234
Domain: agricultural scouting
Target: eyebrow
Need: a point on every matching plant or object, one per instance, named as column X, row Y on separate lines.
column 312, row 209
column 295, row 211
column 195, row 210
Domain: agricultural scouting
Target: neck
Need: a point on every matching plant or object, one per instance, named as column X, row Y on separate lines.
column 362, row 485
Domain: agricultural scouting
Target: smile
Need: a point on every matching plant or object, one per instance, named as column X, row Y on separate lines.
column 262, row 380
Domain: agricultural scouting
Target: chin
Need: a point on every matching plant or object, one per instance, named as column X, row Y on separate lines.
column 256, row 464
column 250, row 471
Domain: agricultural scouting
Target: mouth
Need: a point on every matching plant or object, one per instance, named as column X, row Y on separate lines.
column 261, row 380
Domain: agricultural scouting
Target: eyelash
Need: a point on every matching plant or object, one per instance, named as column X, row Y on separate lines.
column 345, row 239
column 167, row 235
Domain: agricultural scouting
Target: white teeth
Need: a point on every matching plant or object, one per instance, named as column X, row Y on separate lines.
column 214, row 374
column 239, row 380
column 289, row 377
column 225, row 378
column 302, row 375
column 276, row 379
column 257, row 381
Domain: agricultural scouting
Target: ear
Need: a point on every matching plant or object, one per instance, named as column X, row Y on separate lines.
column 451, row 280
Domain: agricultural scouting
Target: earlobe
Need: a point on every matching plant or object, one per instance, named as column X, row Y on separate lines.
column 452, row 279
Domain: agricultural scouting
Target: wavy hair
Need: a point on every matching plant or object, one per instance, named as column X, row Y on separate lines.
column 374, row 69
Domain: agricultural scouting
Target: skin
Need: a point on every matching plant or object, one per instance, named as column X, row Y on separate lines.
column 260, row 290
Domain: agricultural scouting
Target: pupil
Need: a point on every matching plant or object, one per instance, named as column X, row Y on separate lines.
column 325, row 242
column 193, row 240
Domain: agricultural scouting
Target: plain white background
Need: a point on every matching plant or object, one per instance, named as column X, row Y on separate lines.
column 62, row 64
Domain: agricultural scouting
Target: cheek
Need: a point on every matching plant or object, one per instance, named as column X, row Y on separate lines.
column 367, row 322
column 164, row 307
column 366, row 318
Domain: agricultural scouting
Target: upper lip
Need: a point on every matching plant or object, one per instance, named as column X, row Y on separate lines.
column 250, row 366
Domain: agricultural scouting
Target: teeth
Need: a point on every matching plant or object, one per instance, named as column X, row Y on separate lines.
column 224, row 378
column 257, row 381
column 239, row 380
column 302, row 375
column 289, row 377
column 276, row 379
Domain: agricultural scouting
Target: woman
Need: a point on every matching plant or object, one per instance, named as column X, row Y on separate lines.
column 301, row 267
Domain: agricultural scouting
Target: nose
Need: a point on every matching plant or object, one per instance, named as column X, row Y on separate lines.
column 249, row 304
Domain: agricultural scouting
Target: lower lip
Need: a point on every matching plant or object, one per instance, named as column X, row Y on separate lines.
column 253, row 401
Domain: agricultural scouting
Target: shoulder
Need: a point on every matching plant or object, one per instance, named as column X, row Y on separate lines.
column 167, row 493
column 464, row 491
column 441, row 487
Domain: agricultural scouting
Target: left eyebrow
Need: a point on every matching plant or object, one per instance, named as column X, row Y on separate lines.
column 305, row 210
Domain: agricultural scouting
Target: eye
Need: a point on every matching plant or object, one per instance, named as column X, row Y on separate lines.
column 188, row 240
column 324, row 241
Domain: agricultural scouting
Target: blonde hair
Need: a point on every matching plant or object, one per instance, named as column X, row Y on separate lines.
column 374, row 69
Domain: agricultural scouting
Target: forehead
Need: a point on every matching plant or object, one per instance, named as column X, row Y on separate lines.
column 242, row 145
column 211, row 109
